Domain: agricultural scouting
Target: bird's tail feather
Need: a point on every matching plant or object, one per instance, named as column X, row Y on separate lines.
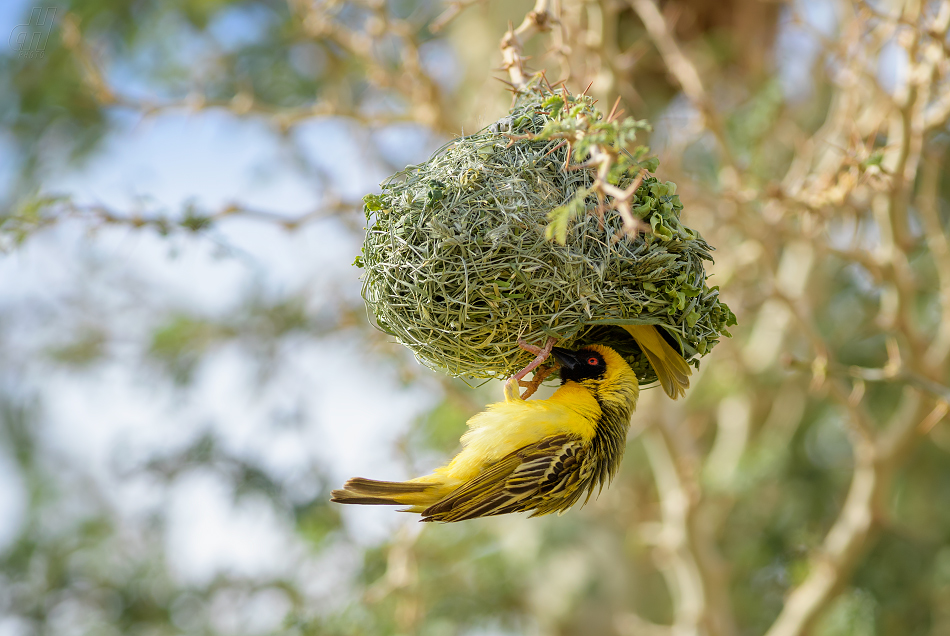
column 671, row 369
column 369, row 492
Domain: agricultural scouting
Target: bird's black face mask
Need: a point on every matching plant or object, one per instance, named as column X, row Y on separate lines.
column 580, row 365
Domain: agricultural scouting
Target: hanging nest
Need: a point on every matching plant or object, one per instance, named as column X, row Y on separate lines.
column 498, row 236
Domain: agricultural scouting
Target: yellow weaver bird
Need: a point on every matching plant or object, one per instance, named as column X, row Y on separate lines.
column 539, row 456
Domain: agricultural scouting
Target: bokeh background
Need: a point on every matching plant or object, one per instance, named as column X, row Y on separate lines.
column 186, row 368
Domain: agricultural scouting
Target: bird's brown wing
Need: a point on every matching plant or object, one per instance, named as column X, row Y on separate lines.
column 548, row 476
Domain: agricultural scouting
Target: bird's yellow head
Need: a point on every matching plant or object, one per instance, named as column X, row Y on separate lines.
column 601, row 370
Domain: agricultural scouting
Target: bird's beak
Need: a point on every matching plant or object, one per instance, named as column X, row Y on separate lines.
column 568, row 359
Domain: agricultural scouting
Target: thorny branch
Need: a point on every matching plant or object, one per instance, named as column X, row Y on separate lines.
column 683, row 70
column 822, row 176
column 537, row 20
column 49, row 211
column 409, row 81
column 842, row 165
column 603, row 158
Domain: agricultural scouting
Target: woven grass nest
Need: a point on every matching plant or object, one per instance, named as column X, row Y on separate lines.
column 461, row 260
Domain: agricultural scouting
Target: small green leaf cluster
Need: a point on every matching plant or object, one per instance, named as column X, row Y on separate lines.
column 561, row 217
column 594, row 139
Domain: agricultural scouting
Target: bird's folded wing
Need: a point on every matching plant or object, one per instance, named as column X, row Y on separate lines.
column 671, row 369
column 548, row 476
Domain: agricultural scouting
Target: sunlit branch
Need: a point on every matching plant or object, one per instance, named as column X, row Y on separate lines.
column 683, row 69
column 47, row 212
column 687, row 556
column 452, row 12
column 876, row 462
column 537, row 20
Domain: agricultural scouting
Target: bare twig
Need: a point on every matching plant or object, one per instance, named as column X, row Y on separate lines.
column 688, row 560
column 452, row 12
column 875, row 465
column 683, row 70
column 537, row 20
column 48, row 212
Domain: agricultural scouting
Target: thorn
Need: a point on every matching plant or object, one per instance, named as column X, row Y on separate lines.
column 544, row 78
column 613, row 111
column 567, row 160
column 563, row 141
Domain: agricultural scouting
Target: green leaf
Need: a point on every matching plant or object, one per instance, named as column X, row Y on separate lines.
column 644, row 208
column 436, row 192
column 554, row 103
column 874, row 159
column 372, row 203
column 560, row 217
column 656, row 223
column 195, row 222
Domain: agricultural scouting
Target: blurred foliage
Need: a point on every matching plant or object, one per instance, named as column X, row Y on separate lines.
column 832, row 236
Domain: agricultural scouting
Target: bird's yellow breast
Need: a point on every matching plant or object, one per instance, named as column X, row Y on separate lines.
column 504, row 427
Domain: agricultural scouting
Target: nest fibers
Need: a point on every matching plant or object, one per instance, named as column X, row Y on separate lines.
column 458, row 267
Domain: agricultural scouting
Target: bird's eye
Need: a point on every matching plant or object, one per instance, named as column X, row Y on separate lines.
column 592, row 361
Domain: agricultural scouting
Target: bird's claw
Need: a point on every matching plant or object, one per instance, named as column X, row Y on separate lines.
column 530, row 348
column 534, row 383
column 517, row 380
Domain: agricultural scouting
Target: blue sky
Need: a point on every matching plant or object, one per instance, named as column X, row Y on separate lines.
column 129, row 278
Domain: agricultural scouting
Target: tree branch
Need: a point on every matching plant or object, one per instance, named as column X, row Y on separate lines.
column 689, row 560
column 875, row 465
column 537, row 20
column 683, row 70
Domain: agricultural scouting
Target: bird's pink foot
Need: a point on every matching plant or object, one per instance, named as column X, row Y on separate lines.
column 517, row 380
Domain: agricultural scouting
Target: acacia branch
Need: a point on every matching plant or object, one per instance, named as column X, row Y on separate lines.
column 420, row 91
column 876, row 462
column 689, row 560
column 877, row 456
column 47, row 212
column 683, row 69
column 537, row 20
